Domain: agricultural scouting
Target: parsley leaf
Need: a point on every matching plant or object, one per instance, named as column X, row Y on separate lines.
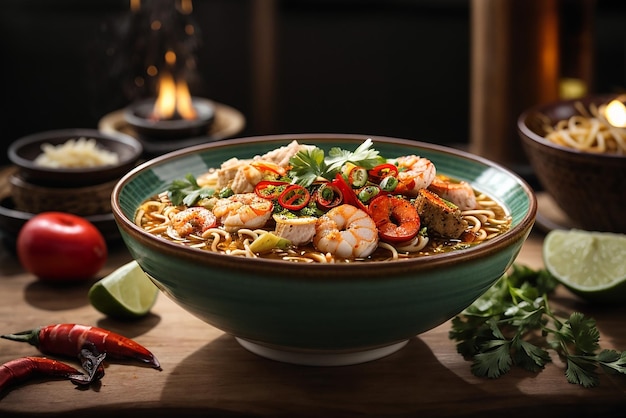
column 307, row 165
column 188, row 191
column 612, row 361
column 494, row 361
column 310, row 164
column 581, row 371
column 363, row 156
column 512, row 324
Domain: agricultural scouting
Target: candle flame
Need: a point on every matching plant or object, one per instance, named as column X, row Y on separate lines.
column 174, row 100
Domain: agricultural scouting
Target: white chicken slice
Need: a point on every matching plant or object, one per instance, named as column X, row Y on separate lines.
column 299, row 231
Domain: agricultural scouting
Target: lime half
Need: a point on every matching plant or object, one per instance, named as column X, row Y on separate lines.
column 126, row 293
column 590, row 264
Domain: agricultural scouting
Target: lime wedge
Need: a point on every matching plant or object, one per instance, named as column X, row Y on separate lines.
column 590, row 264
column 126, row 293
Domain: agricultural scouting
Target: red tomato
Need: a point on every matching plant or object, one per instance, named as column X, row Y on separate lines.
column 61, row 247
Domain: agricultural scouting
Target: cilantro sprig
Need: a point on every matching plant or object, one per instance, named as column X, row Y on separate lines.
column 309, row 164
column 512, row 324
column 187, row 191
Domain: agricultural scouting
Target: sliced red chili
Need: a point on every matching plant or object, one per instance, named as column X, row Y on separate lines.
column 349, row 196
column 269, row 189
column 269, row 166
column 357, row 177
column 381, row 171
column 328, row 196
column 396, row 218
column 294, row 197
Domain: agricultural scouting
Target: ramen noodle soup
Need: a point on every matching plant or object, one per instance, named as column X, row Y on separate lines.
column 588, row 131
column 299, row 205
column 75, row 153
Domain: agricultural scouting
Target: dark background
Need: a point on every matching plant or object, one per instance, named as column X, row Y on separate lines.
column 393, row 68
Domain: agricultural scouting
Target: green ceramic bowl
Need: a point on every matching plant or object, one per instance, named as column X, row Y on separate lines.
column 322, row 314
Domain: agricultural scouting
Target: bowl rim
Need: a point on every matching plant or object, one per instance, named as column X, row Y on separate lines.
column 134, row 145
column 529, row 135
column 365, row 269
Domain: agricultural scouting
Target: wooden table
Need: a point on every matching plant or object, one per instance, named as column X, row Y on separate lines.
column 206, row 372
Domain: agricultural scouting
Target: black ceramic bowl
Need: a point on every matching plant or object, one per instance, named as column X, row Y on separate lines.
column 138, row 116
column 23, row 152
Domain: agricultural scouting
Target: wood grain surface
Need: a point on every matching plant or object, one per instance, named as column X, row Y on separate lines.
column 207, row 373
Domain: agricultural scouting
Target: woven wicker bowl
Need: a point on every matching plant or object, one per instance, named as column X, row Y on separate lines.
column 83, row 201
column 589, row 188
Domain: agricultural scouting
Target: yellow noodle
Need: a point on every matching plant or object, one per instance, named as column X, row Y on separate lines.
column 416, row 244
column 391, row 248
column 159, row 229
column 588, row 131
column 299, row 259
column 473, row 222
column 154, row 216
column 139, row 217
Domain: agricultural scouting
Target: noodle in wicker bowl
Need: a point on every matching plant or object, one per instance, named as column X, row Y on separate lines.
column 587, row 178
column 587, row 131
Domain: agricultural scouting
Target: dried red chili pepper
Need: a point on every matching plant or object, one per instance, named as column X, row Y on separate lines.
column 21, row 369
column 294, row 197
column 70, row 339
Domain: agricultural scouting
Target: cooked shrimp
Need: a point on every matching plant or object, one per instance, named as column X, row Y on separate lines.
column 395, row 217
column 245, row 210
column 193, row 220
column 459, row 193
column 415, row 173
column 346, row 231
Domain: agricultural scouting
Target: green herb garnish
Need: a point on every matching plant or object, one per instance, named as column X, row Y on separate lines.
column 310, row 164
column 363, row 156
column 307, row 165
column 512, row 325
column 188, row 191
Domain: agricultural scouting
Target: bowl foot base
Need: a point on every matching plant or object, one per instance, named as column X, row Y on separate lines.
column 321, row 358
